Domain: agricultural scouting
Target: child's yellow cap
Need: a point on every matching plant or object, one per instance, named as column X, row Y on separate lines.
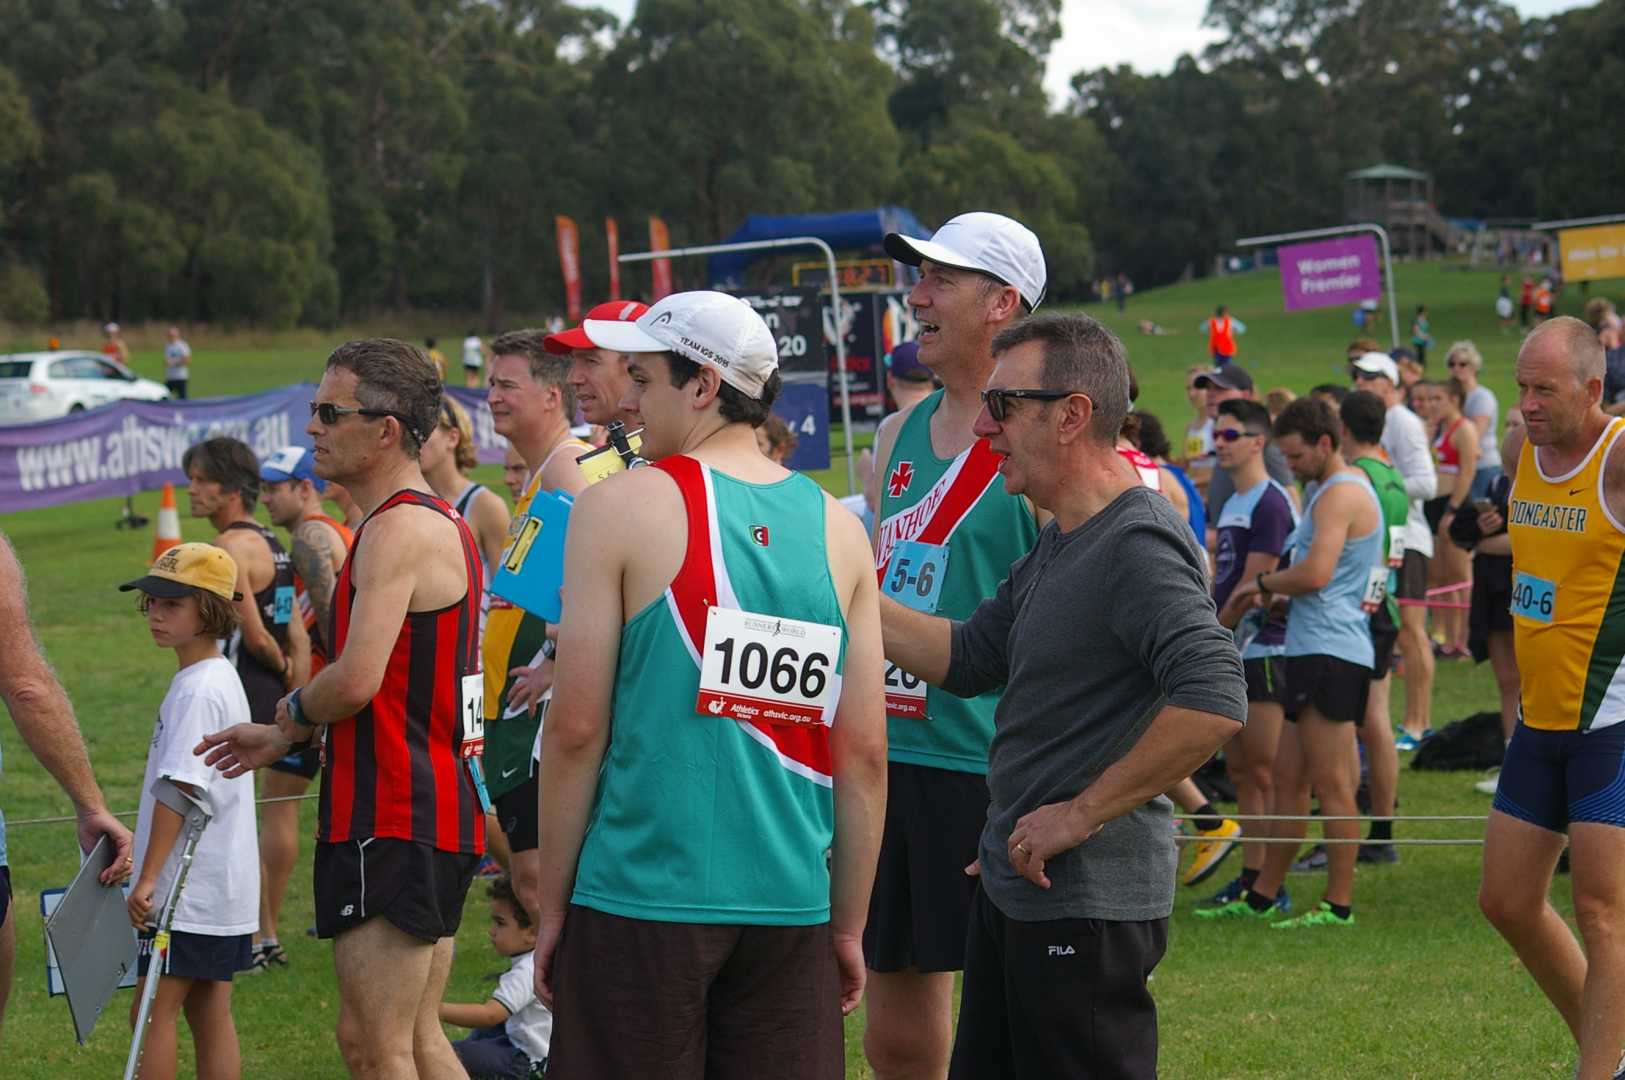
column 186, row 568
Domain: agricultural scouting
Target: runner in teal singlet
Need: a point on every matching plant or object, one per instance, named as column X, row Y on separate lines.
column 946, row 533
column 713, row 763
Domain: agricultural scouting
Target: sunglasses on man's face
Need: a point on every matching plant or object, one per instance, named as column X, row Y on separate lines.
column 1229, row 435
column 997, row 401
column 329, row 414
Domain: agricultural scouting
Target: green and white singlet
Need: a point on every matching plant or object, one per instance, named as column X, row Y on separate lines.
column 711, row 818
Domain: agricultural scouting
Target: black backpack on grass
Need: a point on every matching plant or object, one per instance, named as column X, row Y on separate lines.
column 1470, row 743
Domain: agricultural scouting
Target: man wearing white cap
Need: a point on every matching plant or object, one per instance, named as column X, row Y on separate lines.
column 713, row 763
column 946, row 533
column 1405, row 441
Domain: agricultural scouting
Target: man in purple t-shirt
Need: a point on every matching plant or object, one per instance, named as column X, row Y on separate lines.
column 1253, row 528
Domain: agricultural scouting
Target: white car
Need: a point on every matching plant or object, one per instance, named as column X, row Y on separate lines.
column 46, row 385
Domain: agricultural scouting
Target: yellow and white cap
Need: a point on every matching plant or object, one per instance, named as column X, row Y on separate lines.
column 189, row 568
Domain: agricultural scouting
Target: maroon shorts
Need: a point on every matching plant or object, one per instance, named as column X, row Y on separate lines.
column 718, row 1002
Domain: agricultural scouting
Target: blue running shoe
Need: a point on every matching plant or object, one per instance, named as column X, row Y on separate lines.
column 1283, row 902
column 1230, row 892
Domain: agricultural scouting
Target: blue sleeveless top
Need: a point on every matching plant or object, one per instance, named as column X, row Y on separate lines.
column 1331, row 622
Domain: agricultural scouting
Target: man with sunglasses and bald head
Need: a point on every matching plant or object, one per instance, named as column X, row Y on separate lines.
column 1118, row 681
column 400, row 827
column 945, row 532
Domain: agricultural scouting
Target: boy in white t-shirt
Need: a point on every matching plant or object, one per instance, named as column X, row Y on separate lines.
column 513, row 1029
column 187, row 597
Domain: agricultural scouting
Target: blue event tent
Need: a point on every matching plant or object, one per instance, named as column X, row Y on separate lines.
column 851, row 230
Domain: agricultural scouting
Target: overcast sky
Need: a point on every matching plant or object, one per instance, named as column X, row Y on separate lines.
column 1148, row 35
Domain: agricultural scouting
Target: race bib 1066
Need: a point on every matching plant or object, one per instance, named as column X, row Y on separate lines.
column 766, row 668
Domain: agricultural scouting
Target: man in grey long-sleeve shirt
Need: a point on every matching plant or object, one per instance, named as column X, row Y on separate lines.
column 1405, row 441
column 1118, row 682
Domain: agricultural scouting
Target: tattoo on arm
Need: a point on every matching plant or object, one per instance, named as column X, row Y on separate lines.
column 311, row 559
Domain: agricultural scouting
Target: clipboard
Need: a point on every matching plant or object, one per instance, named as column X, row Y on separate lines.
column 531, row 572
column 91, row 937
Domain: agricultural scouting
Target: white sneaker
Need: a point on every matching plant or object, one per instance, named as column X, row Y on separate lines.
column 1487, row 785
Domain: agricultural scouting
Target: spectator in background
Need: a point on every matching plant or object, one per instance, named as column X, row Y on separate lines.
column 436, row 357
column 1278, row 399
column 177, row 363
column 775, row 439
column 1122, row 289
column 1197, row 458
column 1360, row 346
column 515, row 472
column 908, row 382
column 1526, row 300
column 1332, row 394
column 474, row 353
column 1545, row 298
column 1411, row 370
column 1464, row 362
column 1226, row 384
column 1503, row 304
column 114, row 345
column 1221, row 332
column 1421, row 335
column 1405, row 441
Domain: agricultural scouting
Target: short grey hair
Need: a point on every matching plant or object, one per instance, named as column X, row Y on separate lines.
column 1579, row 343
column 1081, row 356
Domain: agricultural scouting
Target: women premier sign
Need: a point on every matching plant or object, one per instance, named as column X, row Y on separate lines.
column 1329, row 273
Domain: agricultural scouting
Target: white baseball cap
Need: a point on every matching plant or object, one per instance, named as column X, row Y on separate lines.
column 990, row 244
column 710, row 328
column 1378, row 363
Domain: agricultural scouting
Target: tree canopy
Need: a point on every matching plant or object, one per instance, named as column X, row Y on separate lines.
column 299, row 161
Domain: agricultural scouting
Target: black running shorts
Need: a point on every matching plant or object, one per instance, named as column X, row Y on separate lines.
column 685, row 1001
column 516, row 813
column 1266, row 679
column 1384, row 636
column 920, row 905
column 1334, row 688
column 419, row 889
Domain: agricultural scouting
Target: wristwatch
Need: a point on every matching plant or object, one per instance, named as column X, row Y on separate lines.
column 550, row 648
column 1259, row 581
column 295, row 713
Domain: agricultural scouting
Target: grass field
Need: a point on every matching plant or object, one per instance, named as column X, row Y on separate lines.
column 1421, row 987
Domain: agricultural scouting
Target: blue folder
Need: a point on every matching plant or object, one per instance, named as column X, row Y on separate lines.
column 532, row 569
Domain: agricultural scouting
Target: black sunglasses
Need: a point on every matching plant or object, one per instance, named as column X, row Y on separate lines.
column 997, row 401
column 1232, row 434
column 329, row 413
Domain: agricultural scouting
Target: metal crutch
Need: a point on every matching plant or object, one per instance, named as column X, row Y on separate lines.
column 196, row 818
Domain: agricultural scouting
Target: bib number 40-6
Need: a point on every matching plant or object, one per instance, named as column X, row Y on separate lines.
column 761, row 667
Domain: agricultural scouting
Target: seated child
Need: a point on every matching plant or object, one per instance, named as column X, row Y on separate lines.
column 513, row 1029
column 187, row 598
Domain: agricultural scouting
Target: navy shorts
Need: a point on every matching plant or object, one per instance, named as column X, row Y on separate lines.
column 200, row 956
column 1552, row 778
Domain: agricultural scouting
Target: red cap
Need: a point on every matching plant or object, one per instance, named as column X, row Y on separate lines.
column 580, row 337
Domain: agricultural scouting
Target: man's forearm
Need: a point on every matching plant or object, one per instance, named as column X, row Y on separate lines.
column 860, row 814
column 918, row 643
column 1178, row 741
column 44, row 717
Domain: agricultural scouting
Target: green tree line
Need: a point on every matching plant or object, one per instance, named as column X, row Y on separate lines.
column 298, row 161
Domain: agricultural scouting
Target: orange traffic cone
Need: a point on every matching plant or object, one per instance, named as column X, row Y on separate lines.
column 169, row 523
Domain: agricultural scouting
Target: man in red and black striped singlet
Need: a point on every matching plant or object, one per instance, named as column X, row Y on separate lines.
column 400, row 828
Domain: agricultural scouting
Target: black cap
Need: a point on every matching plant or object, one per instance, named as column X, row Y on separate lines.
column 1227, row 377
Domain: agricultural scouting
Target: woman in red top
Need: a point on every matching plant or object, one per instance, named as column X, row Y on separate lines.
column 1455, row 456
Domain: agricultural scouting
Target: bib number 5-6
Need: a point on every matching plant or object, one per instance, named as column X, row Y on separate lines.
column 761, row 667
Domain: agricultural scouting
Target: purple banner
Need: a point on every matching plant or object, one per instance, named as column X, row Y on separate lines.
column 1329, row 273
column 133, row 446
